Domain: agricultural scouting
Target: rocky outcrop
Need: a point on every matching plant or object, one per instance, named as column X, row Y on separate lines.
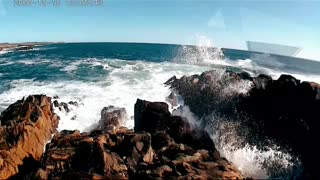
column 112, row 118
column 162, row 146
column 25, row 128
column 289, row 111
column 180, row 151
column 63, row 105
column 72, row 154
column 285, row 110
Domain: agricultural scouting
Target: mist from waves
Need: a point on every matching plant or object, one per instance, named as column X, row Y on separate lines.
column 271, row 162
column 205, row 53
column 230, row 138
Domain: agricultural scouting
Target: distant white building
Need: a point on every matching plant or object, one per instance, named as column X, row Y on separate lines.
column 273, row 48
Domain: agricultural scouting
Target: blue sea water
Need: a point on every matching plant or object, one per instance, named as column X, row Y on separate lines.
column 101, row 74
column 44, row 63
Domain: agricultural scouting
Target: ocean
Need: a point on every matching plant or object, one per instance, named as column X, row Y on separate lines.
column 97, row 75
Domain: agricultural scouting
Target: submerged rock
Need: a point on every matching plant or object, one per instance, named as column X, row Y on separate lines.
column 25, row 127
column 74, row 103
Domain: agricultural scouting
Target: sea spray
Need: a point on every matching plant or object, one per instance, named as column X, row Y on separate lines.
column 203, row 53
column 230, row 139
column 229, row 129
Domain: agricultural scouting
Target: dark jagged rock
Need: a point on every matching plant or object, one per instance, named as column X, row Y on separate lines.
column 283, row 110
column 112, row 118
column 245, row 76
column 172, row 99
column 71, row 154
column 25, row 128
column 172, row 79
column 145, row 111
column 62, row 105
column 56, row 103
column 65, row 106
column 163, row 146
column 262, row 81
column 74, row 103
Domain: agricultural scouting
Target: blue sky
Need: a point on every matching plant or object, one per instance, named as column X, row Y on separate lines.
column 226, row 23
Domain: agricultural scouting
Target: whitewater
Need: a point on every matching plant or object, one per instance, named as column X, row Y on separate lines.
column 96, row 79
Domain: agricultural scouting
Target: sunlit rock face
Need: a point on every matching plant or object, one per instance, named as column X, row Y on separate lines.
column 25, row 128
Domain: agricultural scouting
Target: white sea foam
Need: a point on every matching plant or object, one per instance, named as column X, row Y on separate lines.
column 4, row 52
column 74, row 65
column 127, row 82
column 251, row 161
column 33, row 62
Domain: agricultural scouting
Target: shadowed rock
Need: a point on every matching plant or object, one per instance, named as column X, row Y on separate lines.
column 283, row 110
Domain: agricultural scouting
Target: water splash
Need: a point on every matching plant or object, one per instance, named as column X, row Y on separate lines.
column 251, row 161
column 203, row 52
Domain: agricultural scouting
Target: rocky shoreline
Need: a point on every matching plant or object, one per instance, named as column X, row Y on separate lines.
column 21, row 46
column 283, row 111
column 163, row 145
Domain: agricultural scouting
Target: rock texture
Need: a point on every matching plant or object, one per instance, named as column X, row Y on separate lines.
column 72, row 154
column 161, row 147
column 112, row 118
column 25, row 128
column 285, row 110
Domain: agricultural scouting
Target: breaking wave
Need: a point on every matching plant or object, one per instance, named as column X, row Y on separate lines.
column 126, row 82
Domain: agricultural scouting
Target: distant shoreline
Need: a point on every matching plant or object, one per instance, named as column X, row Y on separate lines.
column 22, row 46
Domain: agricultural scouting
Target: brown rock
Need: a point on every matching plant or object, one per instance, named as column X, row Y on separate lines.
column 71, row 152
column 162, row 170
column 25, row 128
column 112, row 118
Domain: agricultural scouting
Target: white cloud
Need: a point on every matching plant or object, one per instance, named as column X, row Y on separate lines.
column 217, row 21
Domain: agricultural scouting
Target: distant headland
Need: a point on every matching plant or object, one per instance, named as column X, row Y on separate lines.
column 23, row 46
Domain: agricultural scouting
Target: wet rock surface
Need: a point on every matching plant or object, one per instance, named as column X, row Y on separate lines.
column 25, row 127
column 162, row 146
column 285, row 110
column 112, row 118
